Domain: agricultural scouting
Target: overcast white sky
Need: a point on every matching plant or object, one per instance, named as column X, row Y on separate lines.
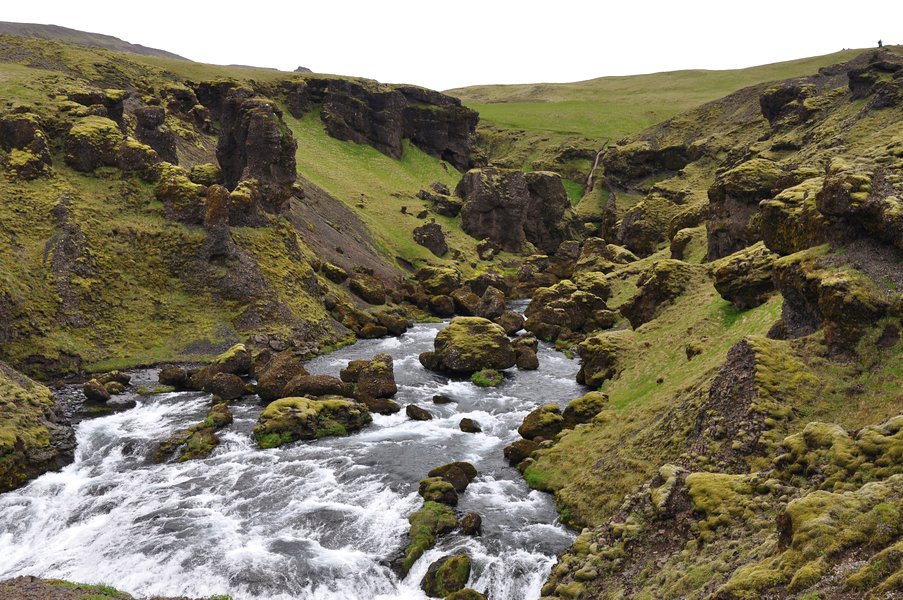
column 465, row 42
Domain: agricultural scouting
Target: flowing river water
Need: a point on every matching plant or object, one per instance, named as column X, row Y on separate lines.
column 316, row 520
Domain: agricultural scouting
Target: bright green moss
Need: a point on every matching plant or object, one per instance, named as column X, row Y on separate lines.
column 432, row 520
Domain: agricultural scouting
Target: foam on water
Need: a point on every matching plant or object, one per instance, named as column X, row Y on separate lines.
column 312, row 520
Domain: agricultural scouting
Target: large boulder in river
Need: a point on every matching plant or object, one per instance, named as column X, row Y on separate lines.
column 373, row 378
column 469, row 344
column 276, row 374
column 446, row 576
column 291, row 419
column 317, row 385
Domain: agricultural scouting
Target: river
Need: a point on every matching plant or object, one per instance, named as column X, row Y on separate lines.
column 317, row 520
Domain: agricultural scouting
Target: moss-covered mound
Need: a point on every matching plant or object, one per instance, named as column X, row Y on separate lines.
column 291, row 419
column 469, row 344
column 35, row 434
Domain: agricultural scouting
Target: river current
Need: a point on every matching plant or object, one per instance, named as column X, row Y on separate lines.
column 318, row 520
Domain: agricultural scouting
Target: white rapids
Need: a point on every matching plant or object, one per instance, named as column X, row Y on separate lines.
column 317, row 520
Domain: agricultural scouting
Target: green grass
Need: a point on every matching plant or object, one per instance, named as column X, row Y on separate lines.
column 614, row 107
column 376, row 187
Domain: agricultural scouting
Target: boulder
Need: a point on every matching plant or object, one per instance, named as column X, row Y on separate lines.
column 745, row 277
column 372, row 331
column 469, row 426
column 519, row 450
column 583, row 409
column 526, row 359
column 236, row 360
column 374, row 378
column 334, row 273
column 446, row 576
column 442, row 306
column 317, row 385
column 92, row 142
column 114, row 388
column 227, row 386
column 382, row 406
column 543, row 423
column 436, row 489
column 469, row 344
column 479, row 284
column 658, row 286
column 368, row 288
column 471, row 524
column 416, row 413
column 459, row 474
column 602, row 357
column 448, row 206
column 291, row 419
column 277, row 373
column 176, row 377
column 439, row 281
column 492, row 304
column 198, row 441
column 466, row 302
column 430, row 236
column 442, row 399
column 95, row 392
column 395, row 321
column 511, row 321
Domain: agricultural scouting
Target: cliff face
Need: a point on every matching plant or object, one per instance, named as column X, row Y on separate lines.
column 382, row 116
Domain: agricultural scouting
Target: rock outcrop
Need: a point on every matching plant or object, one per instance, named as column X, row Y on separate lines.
column 382, row 116
column 511, row 208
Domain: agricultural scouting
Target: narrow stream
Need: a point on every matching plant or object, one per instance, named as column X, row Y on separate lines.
column 316, row 520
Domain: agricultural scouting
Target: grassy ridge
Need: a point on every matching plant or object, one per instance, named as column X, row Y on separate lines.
column 613, row 107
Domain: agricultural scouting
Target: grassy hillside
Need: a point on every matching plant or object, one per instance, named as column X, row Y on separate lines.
column 93, row 273
column 73, row 36
column 560, row 126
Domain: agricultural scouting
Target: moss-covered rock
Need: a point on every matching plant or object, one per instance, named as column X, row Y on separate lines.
column 198, row 441
column 276, row 374
column 437, row 489
column 183, row 200
column 658, row 286
column 368, row 288
column 226, row 386
column 583, row 409
column 95, row 392
column 459, row 474
column 439, row 281
column 519, row 450
column 469, row 344
column 35, row 434
column 487, row 378
column 466, row 594
column 236, row 360
column 544, row 422
column 469, row 426
column 372, row 379
column 564, row 310
column 93, row 142
column 206, row 174
column 602, row 356
column 745, row 277
column 429, row 522
column 291, row 419
column 445, row 576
